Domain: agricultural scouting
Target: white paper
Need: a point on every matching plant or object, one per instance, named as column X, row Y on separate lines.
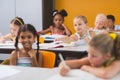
column 6, row 72
column 79, row 75
column 75, row 75
column 7, row 44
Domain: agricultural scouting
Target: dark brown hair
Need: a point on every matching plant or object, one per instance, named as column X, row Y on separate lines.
column 30, row 28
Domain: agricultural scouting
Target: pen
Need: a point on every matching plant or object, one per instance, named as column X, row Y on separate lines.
column 61, row 58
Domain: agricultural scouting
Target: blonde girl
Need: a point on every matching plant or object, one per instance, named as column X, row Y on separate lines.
column 15, row 24
column 80, row 24
column 103, row 57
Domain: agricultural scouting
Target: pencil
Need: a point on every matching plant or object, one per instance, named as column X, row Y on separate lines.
column 61, row 58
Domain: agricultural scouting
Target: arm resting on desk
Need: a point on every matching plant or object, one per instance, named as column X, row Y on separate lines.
column 104, row 72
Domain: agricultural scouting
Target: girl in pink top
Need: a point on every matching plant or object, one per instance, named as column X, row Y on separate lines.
column 58, row 26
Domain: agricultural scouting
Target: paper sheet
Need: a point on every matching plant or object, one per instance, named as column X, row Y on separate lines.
column 53, row 45
column 79, row 75
column 75, row 75
column 6, row 72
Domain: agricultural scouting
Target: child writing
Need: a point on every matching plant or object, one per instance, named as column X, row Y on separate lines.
column 103, row 57
column 15, row 24
column 81, row 27
column 26, row 56
column 58, row 26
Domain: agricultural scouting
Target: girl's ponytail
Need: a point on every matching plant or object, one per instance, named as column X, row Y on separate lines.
column 63, row 13
column 37, row 54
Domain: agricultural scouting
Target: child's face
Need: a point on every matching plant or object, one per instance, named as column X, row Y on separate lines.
column 58, row 20
column 79, row 25
column 14, row 29
column 27, row 39
column 110, row 23
column 96, row 58
column 99, row 24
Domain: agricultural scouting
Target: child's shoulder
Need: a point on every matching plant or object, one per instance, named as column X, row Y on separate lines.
column 51, row 26
column 14, row 53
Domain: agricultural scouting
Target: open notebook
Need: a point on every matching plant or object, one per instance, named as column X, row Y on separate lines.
column 77, row 74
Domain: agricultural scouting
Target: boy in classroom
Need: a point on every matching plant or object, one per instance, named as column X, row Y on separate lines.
column 15, row 24
column 111, row 24
column 103, row 58
column 26, row 56
column 58, row 26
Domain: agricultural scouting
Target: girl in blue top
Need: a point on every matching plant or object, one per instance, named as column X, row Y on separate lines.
column 26, row 56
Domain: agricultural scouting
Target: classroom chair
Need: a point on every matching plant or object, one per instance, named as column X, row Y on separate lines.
column 6, row 62
column 48, row 59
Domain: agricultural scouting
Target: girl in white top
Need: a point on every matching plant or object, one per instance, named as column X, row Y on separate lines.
column 26, row 56
column 81, row 27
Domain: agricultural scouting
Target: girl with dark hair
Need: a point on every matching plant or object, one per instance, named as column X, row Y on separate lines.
column 58, row 26
column 26, row 56
column 15, row 24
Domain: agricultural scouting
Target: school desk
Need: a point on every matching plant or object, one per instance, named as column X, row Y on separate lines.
column 68, row 51
column 33, row 73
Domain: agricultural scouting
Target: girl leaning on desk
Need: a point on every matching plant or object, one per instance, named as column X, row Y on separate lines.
column 15, row 24
column 26, row 56
column 103, row 57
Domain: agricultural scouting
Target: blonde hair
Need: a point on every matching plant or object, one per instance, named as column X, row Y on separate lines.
column 105, row 43
column 101, row 18
column 81, row 17
column 17, row 21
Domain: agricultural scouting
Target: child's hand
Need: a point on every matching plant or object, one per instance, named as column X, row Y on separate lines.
column 85, row 68
column 63, row 70
column 2, row 40
column 63, row 25
column 87, row 39
column 56, row 39
column 32, row 53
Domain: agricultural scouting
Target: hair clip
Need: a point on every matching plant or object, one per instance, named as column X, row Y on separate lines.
column 16, row 18
column 113, row 35
column 55, row 12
